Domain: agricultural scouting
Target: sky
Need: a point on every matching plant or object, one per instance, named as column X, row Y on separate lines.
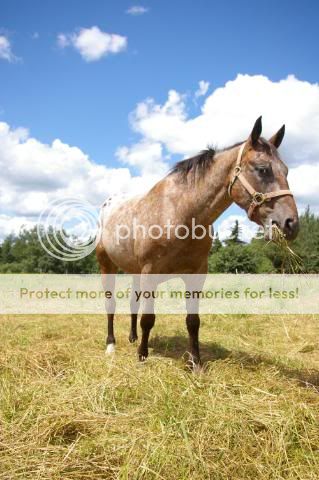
column 102, row 97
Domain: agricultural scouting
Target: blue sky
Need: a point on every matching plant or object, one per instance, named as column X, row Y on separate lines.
column 55, row 93
column 174, row 45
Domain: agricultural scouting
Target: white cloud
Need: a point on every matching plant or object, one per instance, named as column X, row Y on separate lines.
column 146, row 156
column 92, row 43
column 202, row 88
column 12, row 225
column 5, row 49
column 304, row 182
column 34, row 174
column 137, row 10
column 227, row 116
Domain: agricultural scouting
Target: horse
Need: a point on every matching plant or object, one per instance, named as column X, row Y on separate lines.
column 251, row 174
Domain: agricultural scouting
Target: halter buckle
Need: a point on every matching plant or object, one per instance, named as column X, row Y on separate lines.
column 237, row 171
column 258, row 198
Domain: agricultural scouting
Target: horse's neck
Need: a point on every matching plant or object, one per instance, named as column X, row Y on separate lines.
column 211, row 197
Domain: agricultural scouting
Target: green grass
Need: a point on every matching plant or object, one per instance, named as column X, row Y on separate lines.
column 69, row 412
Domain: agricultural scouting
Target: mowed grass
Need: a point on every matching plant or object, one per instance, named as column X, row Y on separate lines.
column 69, row 412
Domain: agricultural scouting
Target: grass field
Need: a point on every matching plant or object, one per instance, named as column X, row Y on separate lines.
column 69, row 412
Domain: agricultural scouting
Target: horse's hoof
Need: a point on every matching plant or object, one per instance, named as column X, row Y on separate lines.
column 132, row 338
column 194, row 367
column 110, row 349
column 197, row 368
column 142, row 357
column 194, row 364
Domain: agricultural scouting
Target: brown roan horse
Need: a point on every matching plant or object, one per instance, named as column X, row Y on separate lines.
column 250, row 173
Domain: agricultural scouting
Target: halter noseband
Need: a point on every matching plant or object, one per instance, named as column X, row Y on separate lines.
column 257, row 198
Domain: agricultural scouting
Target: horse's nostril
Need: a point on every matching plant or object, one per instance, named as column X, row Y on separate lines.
column 291, row 228
column 289, row 224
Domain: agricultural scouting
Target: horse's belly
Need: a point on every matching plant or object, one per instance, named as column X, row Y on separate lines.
column 124, row 261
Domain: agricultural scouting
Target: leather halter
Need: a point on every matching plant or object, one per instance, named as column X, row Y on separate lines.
column 257, row 198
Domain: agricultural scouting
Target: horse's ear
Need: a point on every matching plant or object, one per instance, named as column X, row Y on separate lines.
column 277, row 138
column 256, row 132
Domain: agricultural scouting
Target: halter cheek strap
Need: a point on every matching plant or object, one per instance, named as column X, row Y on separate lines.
column 257, row 198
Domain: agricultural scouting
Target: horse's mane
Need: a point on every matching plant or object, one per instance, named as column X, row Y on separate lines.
column 199, row 164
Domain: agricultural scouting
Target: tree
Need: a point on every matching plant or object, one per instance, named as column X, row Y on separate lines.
column 217, row 244
column 6, row 253
column 306, row 244
column 234, row 234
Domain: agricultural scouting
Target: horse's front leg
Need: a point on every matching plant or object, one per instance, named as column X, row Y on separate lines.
column 193, row 324
column 194, row 285
column 148, row 289
column 147, row 323
column 108, row 270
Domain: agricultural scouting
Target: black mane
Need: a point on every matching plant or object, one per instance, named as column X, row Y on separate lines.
column 199, row 164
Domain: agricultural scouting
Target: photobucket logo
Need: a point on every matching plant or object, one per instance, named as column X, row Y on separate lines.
column 67, row 229
column 167, row 231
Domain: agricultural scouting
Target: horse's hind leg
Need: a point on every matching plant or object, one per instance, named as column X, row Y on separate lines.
column 110, row 309
column 108, row 271
column 134, row 308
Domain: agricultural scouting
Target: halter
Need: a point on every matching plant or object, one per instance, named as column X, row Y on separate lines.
column 257, row 198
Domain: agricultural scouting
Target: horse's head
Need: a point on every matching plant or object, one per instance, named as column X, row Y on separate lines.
column 258, row 183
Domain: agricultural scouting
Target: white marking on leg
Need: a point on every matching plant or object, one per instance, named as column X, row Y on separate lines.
column 110, row 349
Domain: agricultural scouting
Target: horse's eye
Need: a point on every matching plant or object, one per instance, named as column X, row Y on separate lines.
column 264, row 171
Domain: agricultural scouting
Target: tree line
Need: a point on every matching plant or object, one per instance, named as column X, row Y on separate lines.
column 24, row 253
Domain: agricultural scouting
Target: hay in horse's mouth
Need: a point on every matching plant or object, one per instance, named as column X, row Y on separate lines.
column 291, row 260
